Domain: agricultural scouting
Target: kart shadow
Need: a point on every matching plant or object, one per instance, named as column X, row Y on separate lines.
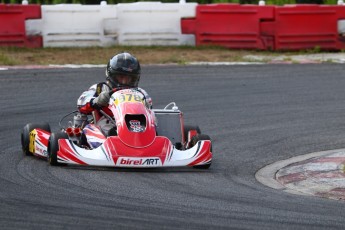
column 135, row 170
column 182, row 169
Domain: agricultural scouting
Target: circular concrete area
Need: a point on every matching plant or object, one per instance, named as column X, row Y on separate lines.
column 317, row 174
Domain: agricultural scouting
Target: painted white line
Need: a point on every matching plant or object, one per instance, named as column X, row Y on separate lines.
column 73, row 66
column 226, row 63
column 77, row 66
column 51, row 66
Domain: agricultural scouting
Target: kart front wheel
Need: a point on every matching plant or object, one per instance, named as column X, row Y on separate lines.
column 188, row 128
column 53, row 147
column 194, row 141
column 25, row 136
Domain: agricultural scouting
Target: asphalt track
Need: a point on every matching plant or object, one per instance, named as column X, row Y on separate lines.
column 255, row 114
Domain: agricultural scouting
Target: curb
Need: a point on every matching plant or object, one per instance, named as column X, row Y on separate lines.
column 315, row 174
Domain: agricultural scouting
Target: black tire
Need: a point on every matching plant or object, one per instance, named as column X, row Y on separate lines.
column 187, row 128
column 25, row 135
column 53, row 147
column 194, row 141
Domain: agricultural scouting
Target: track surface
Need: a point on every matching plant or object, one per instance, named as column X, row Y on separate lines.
column 256, row 115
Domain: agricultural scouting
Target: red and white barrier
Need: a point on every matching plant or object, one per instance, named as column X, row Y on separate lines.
column 264, row 27
column 12, row 25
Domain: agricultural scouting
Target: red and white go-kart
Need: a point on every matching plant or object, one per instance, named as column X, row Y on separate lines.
column 141, row 137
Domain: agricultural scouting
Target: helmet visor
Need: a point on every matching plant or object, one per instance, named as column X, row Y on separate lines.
column 125, row 80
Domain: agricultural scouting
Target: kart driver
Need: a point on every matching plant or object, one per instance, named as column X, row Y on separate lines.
column 122, row 71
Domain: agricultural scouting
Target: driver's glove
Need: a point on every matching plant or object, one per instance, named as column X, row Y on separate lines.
column 101, row 101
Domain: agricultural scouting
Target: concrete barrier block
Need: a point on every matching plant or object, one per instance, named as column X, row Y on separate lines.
column 153, row 23
column 68, row 25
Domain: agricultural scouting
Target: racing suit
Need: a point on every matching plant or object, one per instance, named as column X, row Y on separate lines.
column 85, row 104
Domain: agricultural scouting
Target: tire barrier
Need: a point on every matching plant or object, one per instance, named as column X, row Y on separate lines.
column 289, row 27
column 12, row 25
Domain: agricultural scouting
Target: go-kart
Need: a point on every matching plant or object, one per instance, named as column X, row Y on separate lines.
column 140, row 137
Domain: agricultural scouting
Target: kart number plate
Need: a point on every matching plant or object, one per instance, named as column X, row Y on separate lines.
column 128, row 98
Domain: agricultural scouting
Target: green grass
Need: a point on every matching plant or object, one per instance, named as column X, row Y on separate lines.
column 5, row 60
column 10, row 56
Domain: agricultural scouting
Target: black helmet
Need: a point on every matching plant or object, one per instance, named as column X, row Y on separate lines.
column 125, row 66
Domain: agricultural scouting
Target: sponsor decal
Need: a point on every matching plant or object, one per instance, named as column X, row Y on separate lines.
column 41, row 151
column 134, row 161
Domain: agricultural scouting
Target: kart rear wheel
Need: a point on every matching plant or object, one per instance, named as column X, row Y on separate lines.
column 25, row 135
column 53, row 147
column 194, row 141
